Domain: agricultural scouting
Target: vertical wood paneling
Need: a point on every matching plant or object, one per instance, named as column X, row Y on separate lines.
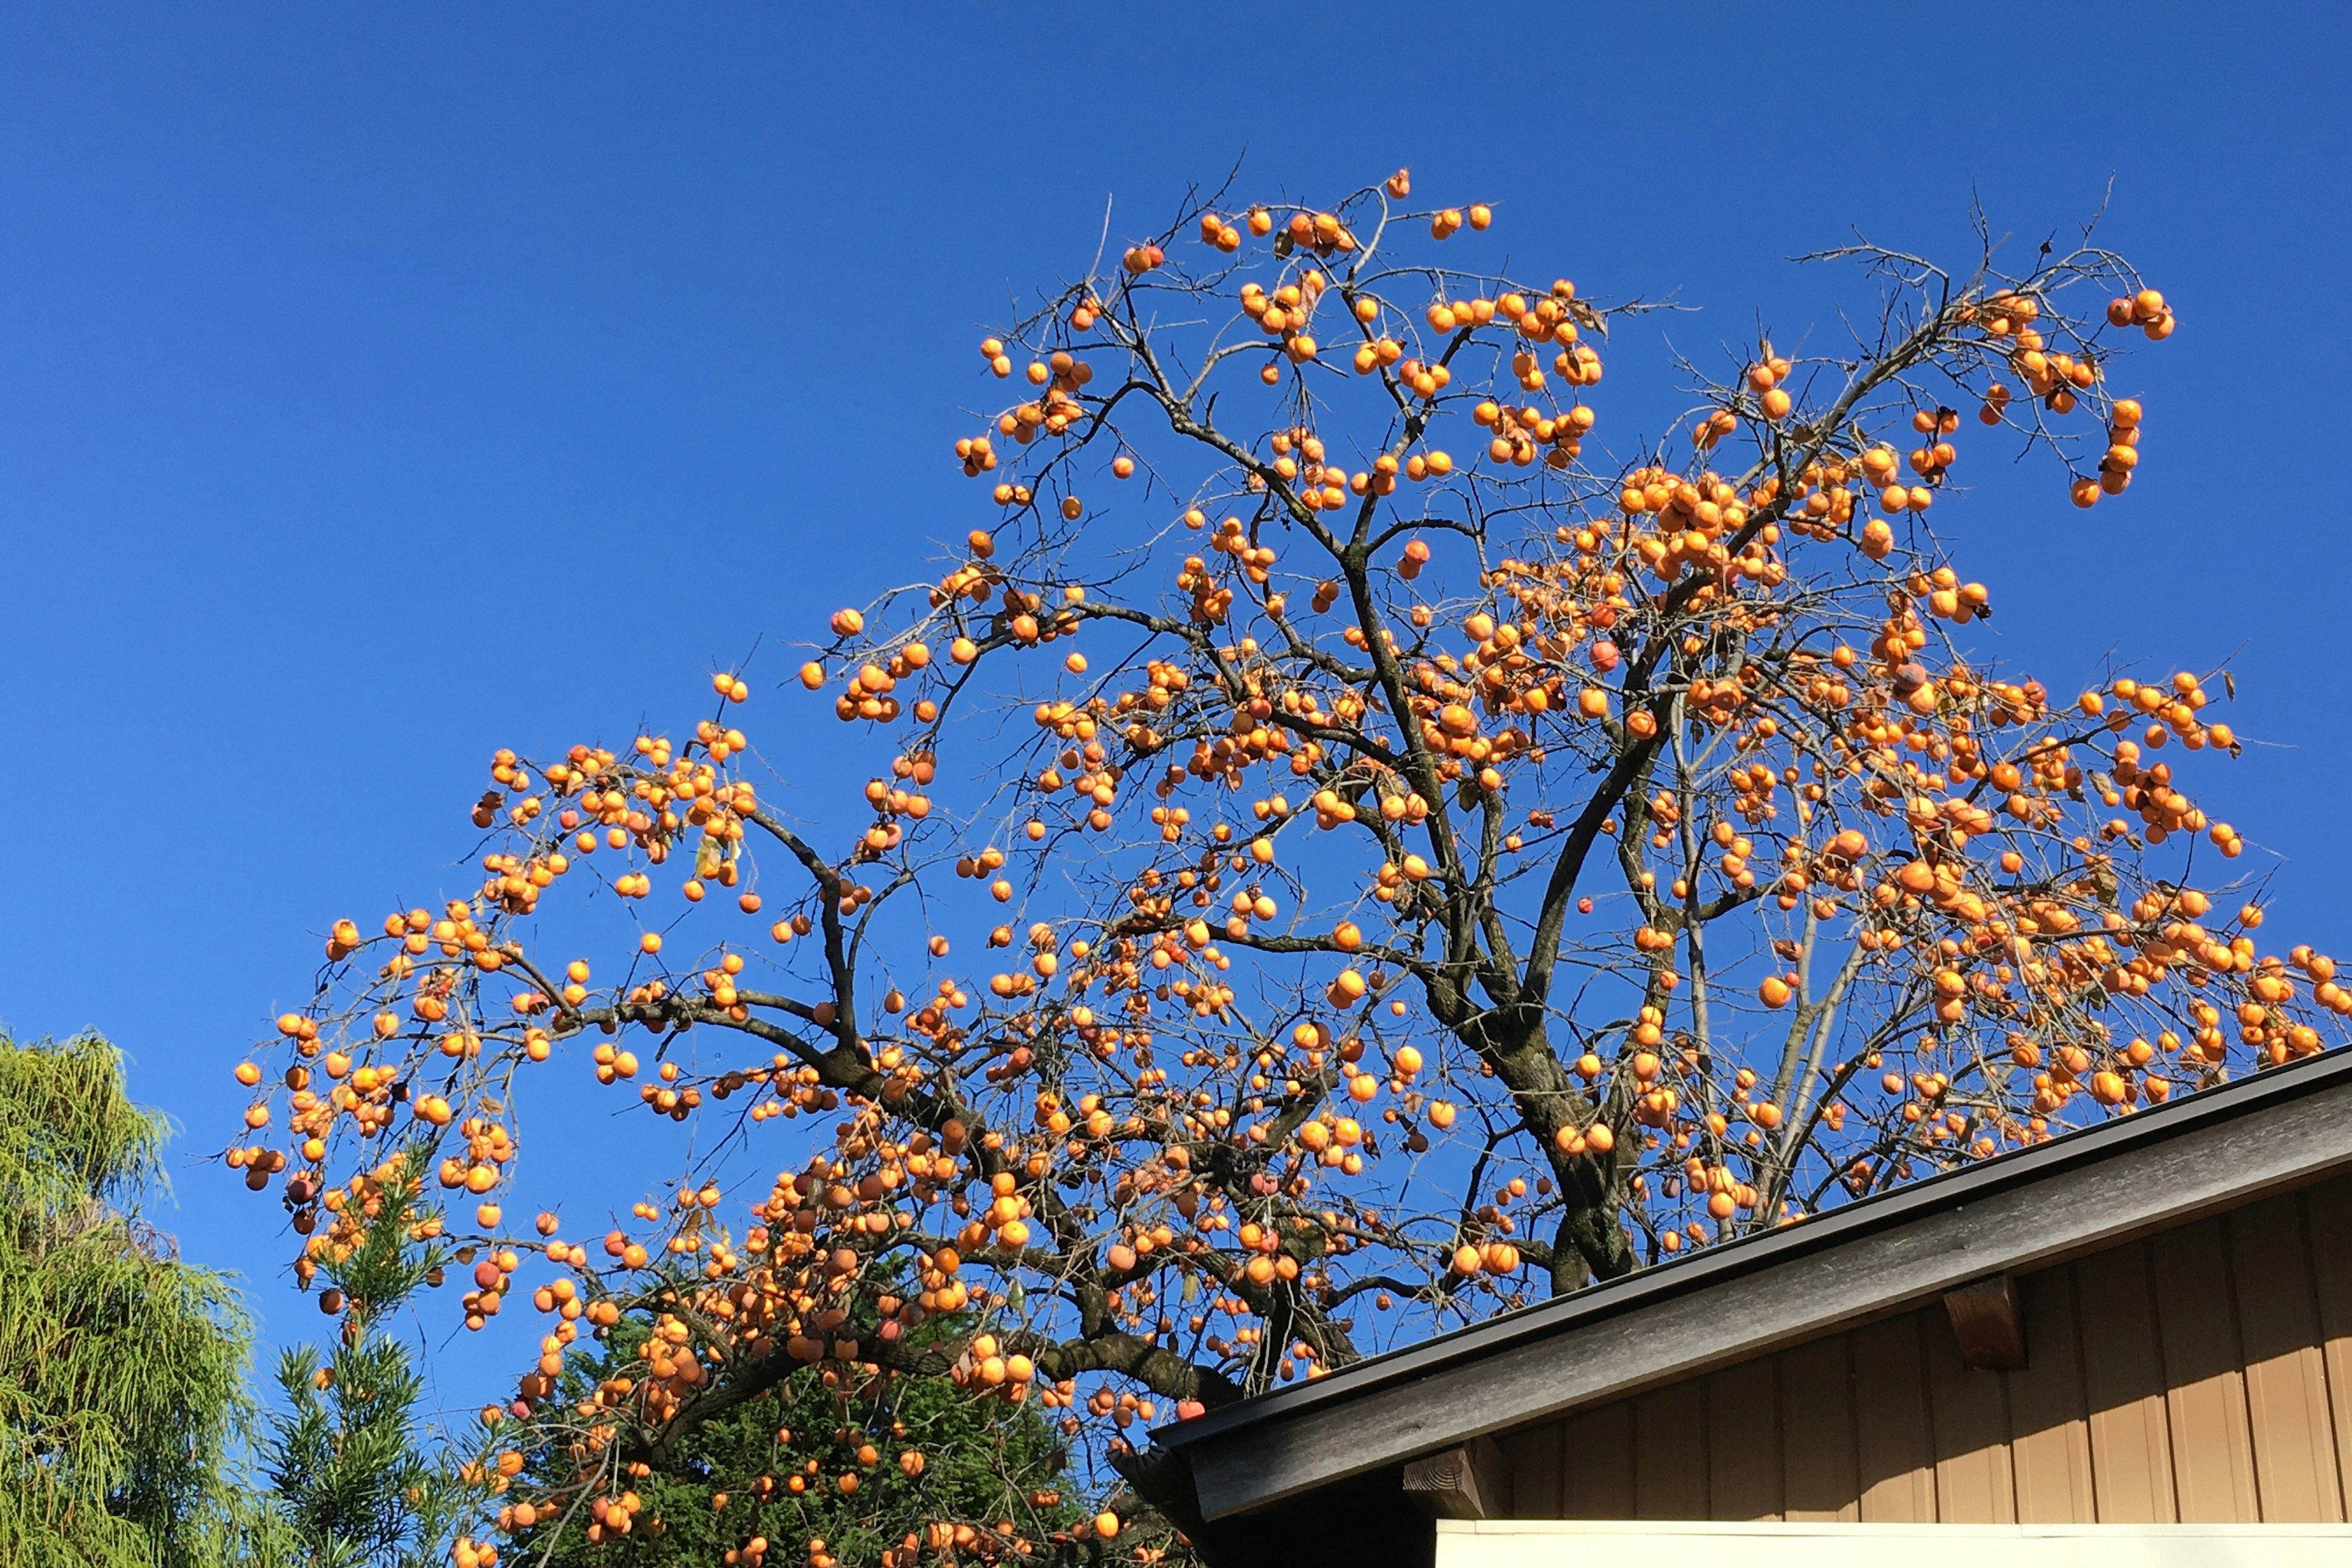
column 1969, row 1412
column 1892, row 1424
column 2212, row 1449
column 2286, row 1382
column 1816, row 1443
column 1670, row 1452
column 2049, row 1426
column 1597, row 1464
column 2123, row 1383
column 1533, row 1455
column 2327, row 1218
column 2203, row 1375
column 1743, row 1443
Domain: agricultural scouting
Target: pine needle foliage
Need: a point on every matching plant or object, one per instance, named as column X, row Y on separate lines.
column 770, row 1473
column 356, row 1477
column 121, row 1368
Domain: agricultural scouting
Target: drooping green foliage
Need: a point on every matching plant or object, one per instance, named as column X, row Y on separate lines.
column 772, row 1470
column 357, row 1479
column 121, row 1368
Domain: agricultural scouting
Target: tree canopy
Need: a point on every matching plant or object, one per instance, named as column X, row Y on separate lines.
column 121, row 1368
column 1358, row 837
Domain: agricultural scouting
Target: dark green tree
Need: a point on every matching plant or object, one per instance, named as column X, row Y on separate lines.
column 357, row 1479
column 818, row 1467
column 121, row 1368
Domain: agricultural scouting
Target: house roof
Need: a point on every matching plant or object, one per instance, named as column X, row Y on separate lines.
column 2077, row 1192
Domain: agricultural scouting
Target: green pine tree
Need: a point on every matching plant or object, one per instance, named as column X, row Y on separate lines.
column 731, row 1481
column 121, row 1368
column 357, row 1479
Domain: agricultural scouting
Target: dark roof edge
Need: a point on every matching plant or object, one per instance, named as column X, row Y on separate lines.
column 1865, row 1217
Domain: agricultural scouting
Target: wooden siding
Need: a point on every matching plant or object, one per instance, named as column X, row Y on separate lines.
column 2201, row 1375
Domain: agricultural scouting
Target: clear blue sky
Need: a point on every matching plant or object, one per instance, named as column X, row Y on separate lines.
column 379, row 386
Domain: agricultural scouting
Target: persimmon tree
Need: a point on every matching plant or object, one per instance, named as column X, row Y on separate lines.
column 1358, row 838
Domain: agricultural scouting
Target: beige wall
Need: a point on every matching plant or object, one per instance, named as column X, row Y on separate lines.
column 1570, row 1543
column 2201, row 1375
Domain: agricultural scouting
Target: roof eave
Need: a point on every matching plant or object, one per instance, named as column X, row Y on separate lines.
column 1238, row 1464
